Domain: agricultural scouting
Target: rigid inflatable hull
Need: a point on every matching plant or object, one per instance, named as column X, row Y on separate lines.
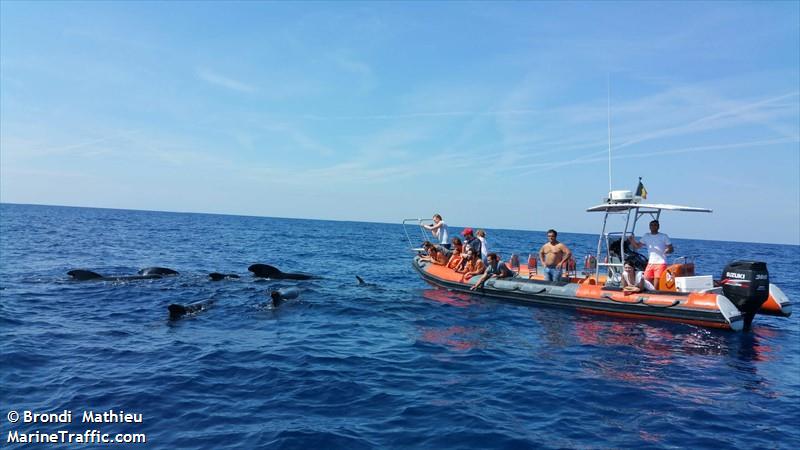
column 691, row 308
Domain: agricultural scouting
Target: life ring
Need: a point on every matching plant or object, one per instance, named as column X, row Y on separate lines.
column 669, row 280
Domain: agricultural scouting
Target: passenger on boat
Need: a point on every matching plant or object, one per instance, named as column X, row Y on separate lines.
column 553, row 255
column 473, row 266
column 470, row 241
column 484, row 248
column 456, row 256
column 494, row 268
column 633, row 281
column 434, row 254
column 439, row 230
column 659, row 246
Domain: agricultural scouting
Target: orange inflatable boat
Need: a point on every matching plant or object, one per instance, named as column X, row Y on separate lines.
column 729, row 303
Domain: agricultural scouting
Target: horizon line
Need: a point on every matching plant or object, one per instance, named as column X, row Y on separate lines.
column 358, row 221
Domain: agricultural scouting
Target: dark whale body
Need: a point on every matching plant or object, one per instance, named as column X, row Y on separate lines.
column 144, row 274
column 177, row 311
column 267, row 271
column 278, row 296
column 216, row 276
column 157, row 271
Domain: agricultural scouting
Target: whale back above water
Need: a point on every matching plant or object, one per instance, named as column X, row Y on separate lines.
column 267, row 271
column 216, row 276
column 144, row 274
column 177, row 311
column 157, row 271
column 280, row 295
column 82, row 275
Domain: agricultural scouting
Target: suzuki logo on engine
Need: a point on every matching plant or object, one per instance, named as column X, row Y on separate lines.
column 739, row 276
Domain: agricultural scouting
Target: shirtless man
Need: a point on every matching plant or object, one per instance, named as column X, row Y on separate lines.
column 553, row 255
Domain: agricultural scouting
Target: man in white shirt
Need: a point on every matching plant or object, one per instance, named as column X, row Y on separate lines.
column 659, row 246
column 439, row 230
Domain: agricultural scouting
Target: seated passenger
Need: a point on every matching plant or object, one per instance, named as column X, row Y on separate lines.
column 434, row 254
column 494, row 268
column 455, row 259
column 633, row 281
column 473, row 266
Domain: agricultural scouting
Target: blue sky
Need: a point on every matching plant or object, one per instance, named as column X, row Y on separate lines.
column 493, row 114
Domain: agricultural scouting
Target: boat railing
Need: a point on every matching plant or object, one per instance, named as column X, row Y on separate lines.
column 424, row 233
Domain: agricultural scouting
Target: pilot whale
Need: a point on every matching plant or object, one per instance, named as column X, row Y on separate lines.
column 267, row 271
column 216, row 276
column 177, row 311
column 278, row 296
column 144, row 274
column 157, row 271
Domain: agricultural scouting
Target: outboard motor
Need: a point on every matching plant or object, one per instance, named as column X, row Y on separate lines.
column 746, row 285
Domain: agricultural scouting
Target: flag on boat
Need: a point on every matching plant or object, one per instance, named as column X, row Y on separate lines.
column 640, row 190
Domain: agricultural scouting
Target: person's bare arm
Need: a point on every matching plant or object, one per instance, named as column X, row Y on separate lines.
column 433, row 226
column 567, row 255
column 634, row 242
column 480, row 282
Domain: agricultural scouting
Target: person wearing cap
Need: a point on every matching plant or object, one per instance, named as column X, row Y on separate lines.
column 439, row 230
column 470, row 241
column 553, row 255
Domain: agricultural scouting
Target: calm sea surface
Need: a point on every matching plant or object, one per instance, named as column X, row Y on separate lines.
column 393, row 364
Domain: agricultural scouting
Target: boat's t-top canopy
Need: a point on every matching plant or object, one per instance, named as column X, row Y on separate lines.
column 629, row 205
column 644, row 207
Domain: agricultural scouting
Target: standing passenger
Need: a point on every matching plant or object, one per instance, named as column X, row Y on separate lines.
column 553, row 255
column 439, row 230
column 484, row 248
column 659, row 246
column 470, row 241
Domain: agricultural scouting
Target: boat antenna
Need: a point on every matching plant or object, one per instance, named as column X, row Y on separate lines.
column 608, row 80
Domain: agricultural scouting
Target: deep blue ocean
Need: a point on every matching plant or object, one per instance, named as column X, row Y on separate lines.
column 392, row 364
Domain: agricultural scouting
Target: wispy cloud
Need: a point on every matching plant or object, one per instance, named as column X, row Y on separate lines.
column 423, row 114
column 595, row 158
column 224, row 81
column 713, row 121
column 88, row 147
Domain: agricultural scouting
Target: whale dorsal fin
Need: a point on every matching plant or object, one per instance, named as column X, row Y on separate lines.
column 80, row 274
column 265, row 271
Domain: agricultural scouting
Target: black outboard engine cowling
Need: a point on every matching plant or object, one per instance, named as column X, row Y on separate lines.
column 746, row 285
